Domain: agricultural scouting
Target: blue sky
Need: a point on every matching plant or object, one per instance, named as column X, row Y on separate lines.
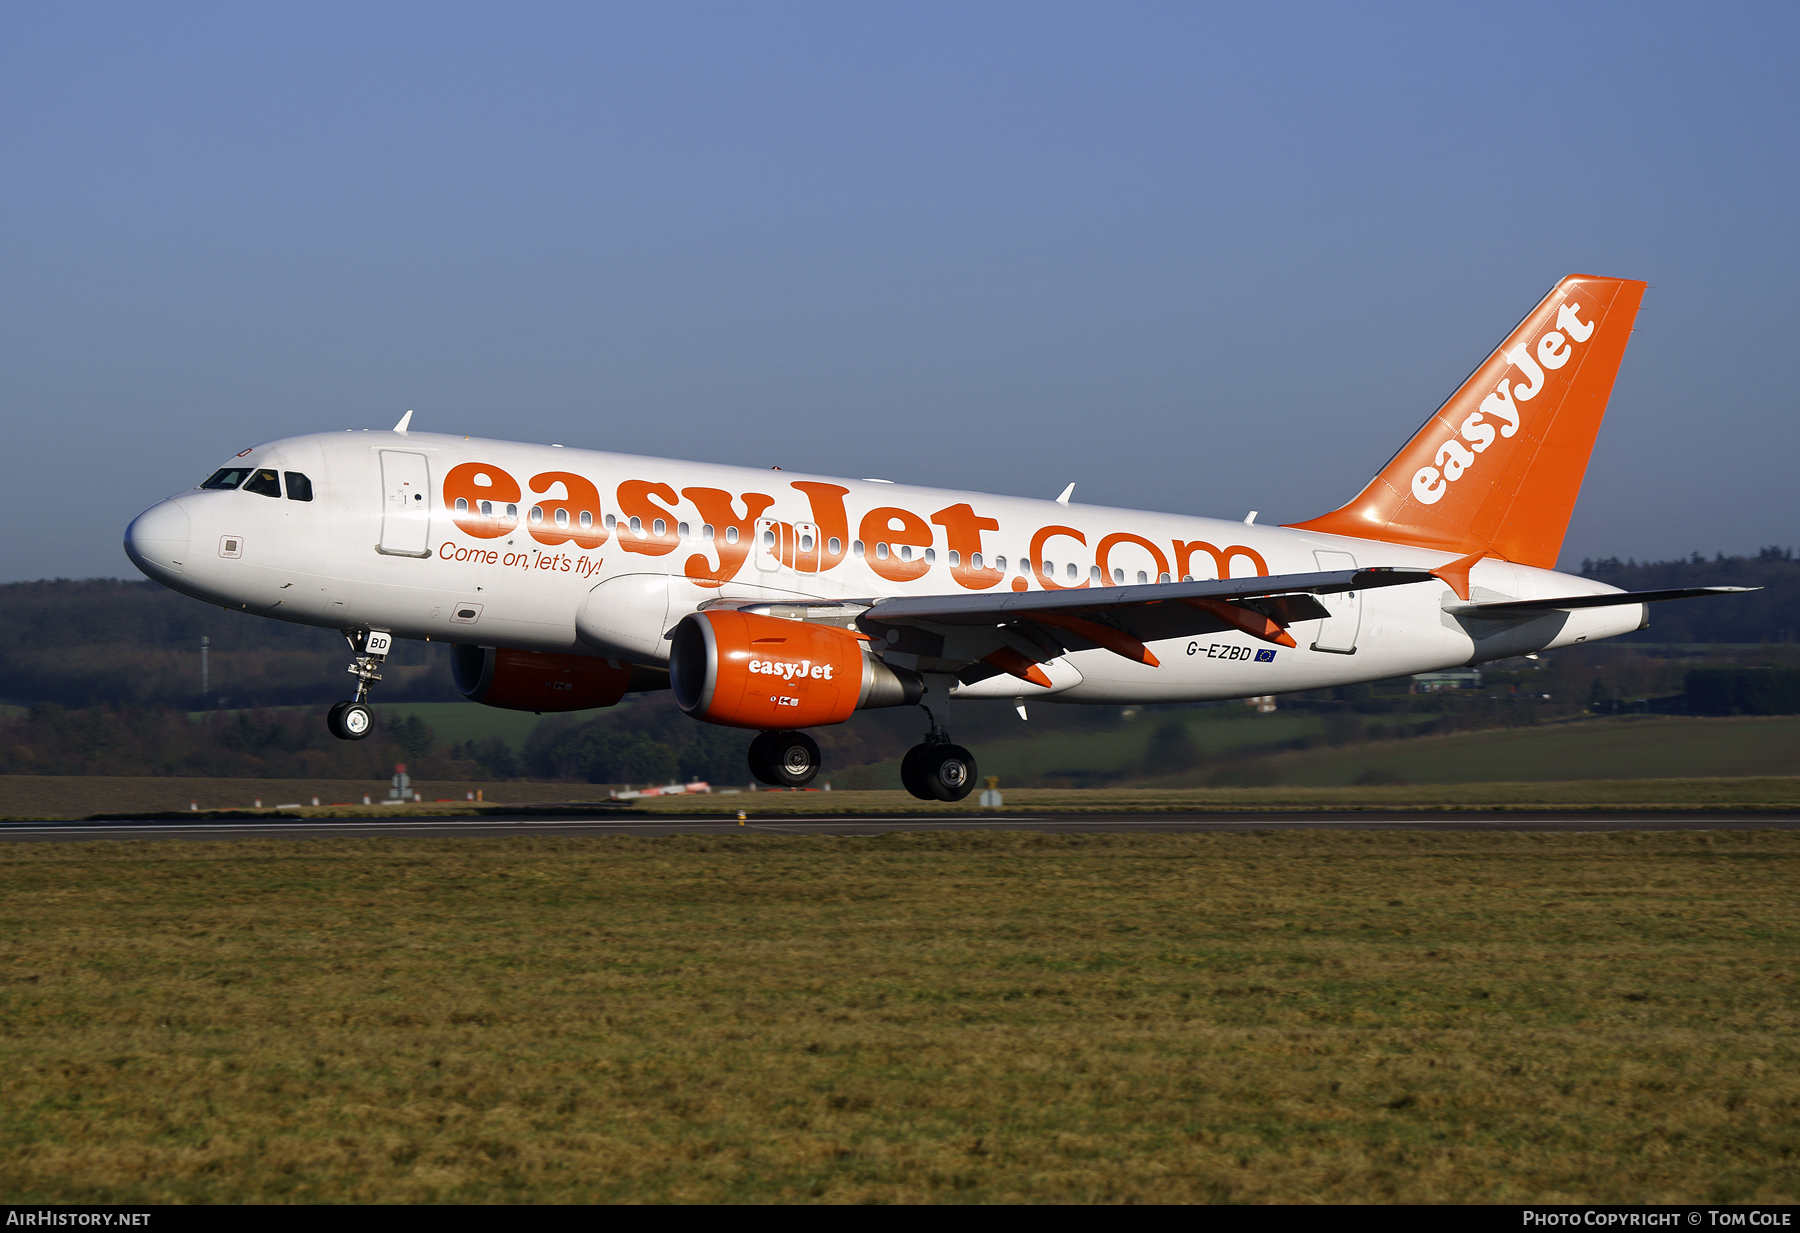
column 1195, row 258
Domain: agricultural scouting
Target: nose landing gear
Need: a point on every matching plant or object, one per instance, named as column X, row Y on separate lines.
column 352, row 721
column 936, row 769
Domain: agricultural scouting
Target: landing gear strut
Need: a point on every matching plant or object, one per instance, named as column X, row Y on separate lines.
column 785, row 759
column 352, row 721
column 935, row 769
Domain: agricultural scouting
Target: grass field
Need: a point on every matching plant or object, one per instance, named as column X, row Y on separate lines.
column 466, row 721
column 25, row 797
column 1628, row 747
column 992, row 1017
column 1117, row 754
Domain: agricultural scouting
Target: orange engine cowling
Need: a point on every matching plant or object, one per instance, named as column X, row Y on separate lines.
column 746, row 670
column 538, row 681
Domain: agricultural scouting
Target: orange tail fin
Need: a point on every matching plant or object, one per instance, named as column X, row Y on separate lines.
column 1497, row 469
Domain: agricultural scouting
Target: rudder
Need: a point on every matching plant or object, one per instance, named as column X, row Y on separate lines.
column 1497, row 469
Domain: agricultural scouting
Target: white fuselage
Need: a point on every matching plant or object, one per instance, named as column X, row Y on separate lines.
column 383, row 543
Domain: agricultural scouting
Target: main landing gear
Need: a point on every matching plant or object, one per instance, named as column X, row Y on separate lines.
column 352, row 721
column 935, row 769
column 785, row 759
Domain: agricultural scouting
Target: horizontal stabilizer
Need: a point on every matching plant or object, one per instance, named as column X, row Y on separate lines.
column 1524, row 607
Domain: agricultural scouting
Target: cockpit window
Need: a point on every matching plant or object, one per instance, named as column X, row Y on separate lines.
column 298, row 486
column 264, row 484
column 227, row 477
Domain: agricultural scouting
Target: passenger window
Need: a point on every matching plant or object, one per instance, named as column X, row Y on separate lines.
column 586, row 520
column 834, row 546
column 298, row 486
column 264, row 484
column 731, row 535
column 226, row 477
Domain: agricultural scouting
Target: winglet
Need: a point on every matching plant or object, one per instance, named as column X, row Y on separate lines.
column 1066, row 494
column 404, row 421
column 1456, row 573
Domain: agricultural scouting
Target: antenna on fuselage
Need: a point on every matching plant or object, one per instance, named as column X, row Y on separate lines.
column 404, row 421
column 1066, row 494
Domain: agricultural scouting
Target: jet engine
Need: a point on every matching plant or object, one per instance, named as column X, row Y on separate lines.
column 538, row 680
column 746, row 670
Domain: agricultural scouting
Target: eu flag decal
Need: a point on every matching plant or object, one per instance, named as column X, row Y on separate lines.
column 1265, row 657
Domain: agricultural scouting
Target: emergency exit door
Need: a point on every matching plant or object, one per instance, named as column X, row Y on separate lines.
column 774, row 549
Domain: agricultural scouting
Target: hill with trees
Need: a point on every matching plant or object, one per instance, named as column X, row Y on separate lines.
column 104, row 641
column 110, row 672
column 1769, row 615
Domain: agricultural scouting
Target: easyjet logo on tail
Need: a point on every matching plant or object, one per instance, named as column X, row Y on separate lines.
column 1499, row 412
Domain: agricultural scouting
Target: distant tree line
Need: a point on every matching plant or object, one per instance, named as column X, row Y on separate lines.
column 1769, row 615
column 129, row 739
column 105, row 641
column 109, row 642
column 110, row 673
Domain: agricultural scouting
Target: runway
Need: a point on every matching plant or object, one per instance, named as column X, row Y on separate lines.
column 1562, row 821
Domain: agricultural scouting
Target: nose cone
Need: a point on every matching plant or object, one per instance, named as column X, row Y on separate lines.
column 157, row 540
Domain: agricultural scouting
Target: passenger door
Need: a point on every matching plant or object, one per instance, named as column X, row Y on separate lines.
column 1337, row 633
column 405, row 504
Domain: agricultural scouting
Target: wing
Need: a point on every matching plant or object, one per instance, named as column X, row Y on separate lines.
column 976, row 636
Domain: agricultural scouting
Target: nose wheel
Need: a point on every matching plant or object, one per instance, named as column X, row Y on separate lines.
column 936, row 769
column 353, row 720
column 350, row 721
column 784, row 759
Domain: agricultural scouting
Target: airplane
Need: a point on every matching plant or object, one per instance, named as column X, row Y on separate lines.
column 567, row 578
